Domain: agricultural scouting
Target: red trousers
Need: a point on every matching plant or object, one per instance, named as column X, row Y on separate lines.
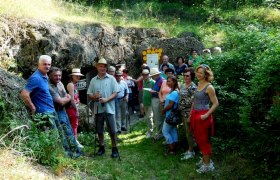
column 72, row 115
column 202, row 130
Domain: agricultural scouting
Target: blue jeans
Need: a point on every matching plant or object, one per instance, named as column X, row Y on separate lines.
column 170, row 133
column 66, row 134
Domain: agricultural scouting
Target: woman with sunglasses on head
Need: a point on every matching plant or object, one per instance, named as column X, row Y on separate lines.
column 201, row 115
column 185, row 101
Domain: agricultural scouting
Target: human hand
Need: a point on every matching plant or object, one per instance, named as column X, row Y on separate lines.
column 153, row 91
column 204, row 116
column 103, row 100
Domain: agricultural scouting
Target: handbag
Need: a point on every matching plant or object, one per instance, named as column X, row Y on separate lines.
column 173, row 118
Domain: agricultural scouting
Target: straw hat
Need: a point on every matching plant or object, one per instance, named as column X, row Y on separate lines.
column 145, row 71
column 76, row 71
column 154, row 71
column 101, row 61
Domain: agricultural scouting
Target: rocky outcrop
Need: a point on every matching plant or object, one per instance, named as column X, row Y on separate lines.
column 23, row 41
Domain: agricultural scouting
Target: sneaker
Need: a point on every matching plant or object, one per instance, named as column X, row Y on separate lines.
column 188, row 155
column 123, row 129
column 115, row 153
column 101, row 151
column 79, row 145
column 200, row 162
column 206, row 168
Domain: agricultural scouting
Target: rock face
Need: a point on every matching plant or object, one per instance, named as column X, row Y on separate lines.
column 10, row 87
column 70, row 45
column 74, row 45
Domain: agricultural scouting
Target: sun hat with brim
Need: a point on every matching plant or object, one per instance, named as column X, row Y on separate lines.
column 101, row 61
column 145, row 72
column 119, row 73
column 154, row 71
column 76, row 72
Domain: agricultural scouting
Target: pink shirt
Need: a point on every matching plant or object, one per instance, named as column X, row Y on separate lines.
column 164, row 90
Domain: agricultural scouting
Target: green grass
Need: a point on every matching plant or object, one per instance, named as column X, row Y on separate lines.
column 143, row 158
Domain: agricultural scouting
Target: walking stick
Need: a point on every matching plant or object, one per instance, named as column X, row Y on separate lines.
column 127, row 118
column 95, row 132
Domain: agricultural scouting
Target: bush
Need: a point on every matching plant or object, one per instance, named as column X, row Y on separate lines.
column 248, row 89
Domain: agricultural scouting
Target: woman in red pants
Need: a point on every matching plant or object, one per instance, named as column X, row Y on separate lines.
column 72, row 110
column 201, row 115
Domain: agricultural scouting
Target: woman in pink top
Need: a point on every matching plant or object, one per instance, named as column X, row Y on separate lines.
column 165, row 89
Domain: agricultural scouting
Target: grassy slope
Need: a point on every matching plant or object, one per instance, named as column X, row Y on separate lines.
column 174, row 18
column 143, row 158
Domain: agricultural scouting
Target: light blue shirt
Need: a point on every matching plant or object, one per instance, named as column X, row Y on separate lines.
column 171, row 96
column 106, row 87
column 122, row 88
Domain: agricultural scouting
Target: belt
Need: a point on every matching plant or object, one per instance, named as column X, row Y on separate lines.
column 120, row 98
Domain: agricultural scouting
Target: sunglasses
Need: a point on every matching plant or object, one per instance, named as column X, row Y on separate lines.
column 186, row 75
column 205, row 66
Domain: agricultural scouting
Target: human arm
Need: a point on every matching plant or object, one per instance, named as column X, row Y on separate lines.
column 25, row 96
column 214, row 100
column 70, row 88
column 138, row 79
column 62, row 100
column 110, row 98
column 168, row 107
column 127, row 92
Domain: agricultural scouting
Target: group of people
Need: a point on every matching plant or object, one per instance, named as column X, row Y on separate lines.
column 161, row 93
column 44, row 93
column 110, row 91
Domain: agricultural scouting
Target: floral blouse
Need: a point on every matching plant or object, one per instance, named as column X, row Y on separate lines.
column 186, row 98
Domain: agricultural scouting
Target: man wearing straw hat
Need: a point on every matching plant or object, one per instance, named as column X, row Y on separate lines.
column 72, row 110
column 103, row 89
column 155, row 74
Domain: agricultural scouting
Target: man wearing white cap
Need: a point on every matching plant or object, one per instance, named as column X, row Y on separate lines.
column 155, row 74
column 148, row 83
column 121, row 102
column 72, row 110
column 103, row 89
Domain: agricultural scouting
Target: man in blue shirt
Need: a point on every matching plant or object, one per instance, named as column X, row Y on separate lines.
column 165, row 60
column 36, row 94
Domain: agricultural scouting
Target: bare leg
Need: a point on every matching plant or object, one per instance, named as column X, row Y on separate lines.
column 206, row 159
column 101, row 139
column 142, row 108
column 113, row 139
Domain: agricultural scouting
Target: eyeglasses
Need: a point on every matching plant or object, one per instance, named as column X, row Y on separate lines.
column 186, row 75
